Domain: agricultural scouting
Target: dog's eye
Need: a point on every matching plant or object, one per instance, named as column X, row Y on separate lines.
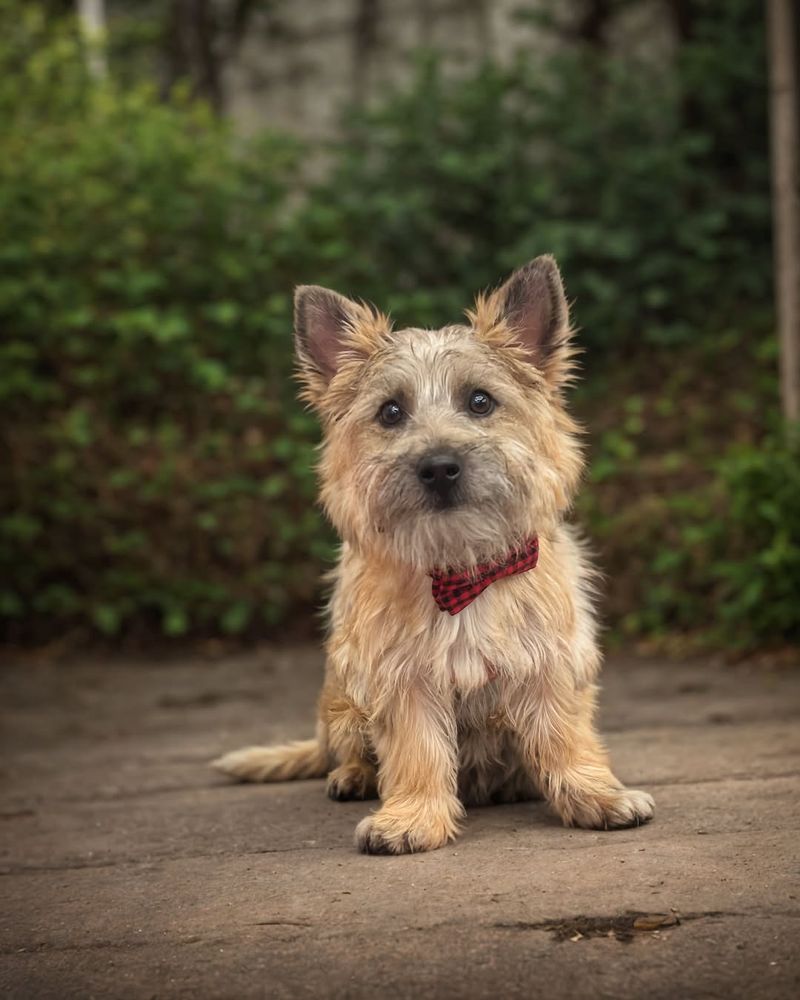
column 480, row 402
column 390, row 413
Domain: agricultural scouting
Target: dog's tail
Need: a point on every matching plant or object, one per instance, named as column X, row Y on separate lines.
column 284, row 762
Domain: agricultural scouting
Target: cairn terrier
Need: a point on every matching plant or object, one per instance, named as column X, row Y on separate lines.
column 462, row 650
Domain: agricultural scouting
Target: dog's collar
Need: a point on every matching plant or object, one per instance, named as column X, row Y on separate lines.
column 454, row 591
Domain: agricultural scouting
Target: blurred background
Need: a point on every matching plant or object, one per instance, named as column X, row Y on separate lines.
column 170, row 169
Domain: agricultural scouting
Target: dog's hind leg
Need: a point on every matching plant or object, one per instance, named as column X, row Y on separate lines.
column 341, row 744
column 354, row 776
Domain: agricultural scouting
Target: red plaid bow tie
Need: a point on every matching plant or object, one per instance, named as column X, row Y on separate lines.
column 454, row 591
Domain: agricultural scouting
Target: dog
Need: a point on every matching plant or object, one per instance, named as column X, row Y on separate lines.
column 462, row 650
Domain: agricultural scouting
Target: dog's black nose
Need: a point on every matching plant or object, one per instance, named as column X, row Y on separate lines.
column 440, row 472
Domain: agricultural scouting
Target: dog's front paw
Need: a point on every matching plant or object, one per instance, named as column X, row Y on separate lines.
column 352, row 781
column 393, row 832
column 614, row 810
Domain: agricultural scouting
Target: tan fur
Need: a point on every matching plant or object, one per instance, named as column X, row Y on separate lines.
column 495, row 703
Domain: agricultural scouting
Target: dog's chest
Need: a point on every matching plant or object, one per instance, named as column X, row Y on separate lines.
column 479, row 645
column 385, row 638
column 457, row 657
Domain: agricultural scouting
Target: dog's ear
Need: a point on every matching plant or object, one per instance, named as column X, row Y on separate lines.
column 322, row 321
column 330, row 329
column 532, row 307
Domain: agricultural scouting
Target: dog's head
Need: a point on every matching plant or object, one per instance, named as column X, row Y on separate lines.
column 447, row 447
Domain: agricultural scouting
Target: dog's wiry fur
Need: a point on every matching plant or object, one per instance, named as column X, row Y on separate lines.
column 431, row 711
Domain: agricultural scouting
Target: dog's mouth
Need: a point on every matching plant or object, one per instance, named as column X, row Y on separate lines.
column 445, row 504
column 457, row 533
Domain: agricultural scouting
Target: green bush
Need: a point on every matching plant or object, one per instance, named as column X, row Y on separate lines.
column 157, row 471
column 693, row 543
column 758, row 564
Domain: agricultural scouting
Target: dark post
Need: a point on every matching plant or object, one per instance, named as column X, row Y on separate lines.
column 784, row 115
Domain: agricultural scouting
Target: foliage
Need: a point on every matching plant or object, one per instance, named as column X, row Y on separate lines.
column 157, row 472
column 691, row 498
column 759, row 571
column 658, row 214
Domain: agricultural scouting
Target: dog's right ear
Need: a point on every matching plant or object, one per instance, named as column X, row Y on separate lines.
column 330, row 330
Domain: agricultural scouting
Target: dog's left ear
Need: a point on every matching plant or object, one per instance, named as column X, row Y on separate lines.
column 532, row 307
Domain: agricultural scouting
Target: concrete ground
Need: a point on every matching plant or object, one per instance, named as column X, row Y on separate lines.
column 131, row 870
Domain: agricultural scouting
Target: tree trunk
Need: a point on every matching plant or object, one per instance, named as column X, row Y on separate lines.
column 784, row 113
column 192, row 42
column 92, row 17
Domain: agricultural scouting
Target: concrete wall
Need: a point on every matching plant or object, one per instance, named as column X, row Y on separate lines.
column 302, row 60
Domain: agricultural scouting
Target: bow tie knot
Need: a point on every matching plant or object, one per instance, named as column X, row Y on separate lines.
column 455, row 591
